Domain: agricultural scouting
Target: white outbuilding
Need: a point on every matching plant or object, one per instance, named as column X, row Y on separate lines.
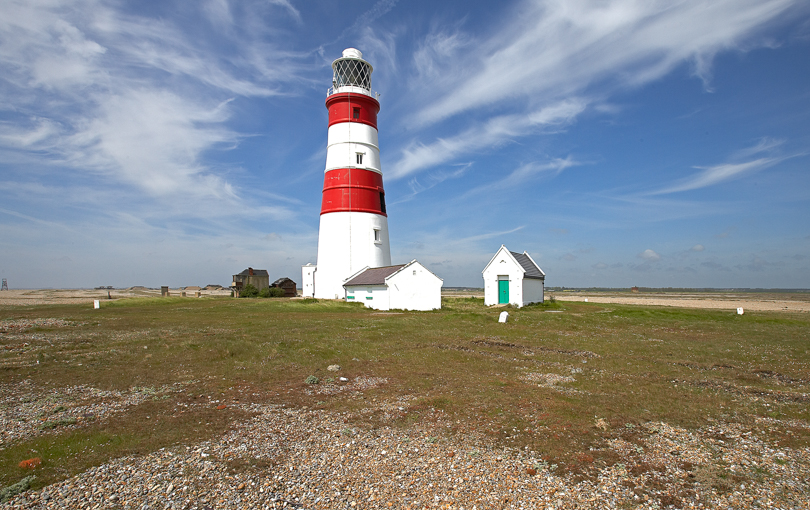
column 513, row 278
column 408, row 286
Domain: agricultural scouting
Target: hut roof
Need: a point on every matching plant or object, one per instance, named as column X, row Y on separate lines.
column 528, row 265
column 374, row 275
column 256, row 272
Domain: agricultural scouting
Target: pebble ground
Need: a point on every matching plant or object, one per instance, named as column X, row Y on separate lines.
column 312, row 458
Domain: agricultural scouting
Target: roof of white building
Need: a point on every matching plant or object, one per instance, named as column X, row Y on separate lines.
column 379, row 275
column 374, row 275
column 528, row 265
column 524, row 260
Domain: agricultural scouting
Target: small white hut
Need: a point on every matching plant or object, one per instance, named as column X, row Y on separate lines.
column 408, row 286
column 513, row 278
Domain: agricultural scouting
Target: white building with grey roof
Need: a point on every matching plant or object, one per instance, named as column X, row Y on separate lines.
column 513, row 278
column 408, row 286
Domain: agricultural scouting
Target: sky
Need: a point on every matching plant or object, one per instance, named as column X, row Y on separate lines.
column 654, row 143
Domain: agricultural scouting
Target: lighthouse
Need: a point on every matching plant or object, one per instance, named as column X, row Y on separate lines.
column 354, row 224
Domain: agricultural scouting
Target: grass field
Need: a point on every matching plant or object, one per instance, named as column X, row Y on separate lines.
column 560, row 378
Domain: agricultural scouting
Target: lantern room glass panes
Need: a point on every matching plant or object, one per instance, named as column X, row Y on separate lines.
column 350, row 72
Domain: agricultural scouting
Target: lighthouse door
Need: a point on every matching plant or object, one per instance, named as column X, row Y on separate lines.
column 503, row 292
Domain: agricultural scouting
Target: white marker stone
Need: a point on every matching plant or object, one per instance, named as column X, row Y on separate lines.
column 739, row 311
column 96, row 304
column 503, row 317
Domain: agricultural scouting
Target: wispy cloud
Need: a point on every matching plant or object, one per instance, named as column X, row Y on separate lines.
column 524, row 174
column 530, row 170
column 289, row 7
column 152, row 139
column 493, row 132
column 712, row 175
column 765, row 144
column 32, row 219
column 556, row 48
column 366, row 19
column 716, row 174
column 488, row 235
column 382, row 49
column 435, row 53
column 135, row 99
column 431, row 180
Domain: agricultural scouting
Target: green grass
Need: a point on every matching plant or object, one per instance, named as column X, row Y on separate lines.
column 630, row 364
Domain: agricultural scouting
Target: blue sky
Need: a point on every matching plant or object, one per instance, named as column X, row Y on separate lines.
column 619, row 142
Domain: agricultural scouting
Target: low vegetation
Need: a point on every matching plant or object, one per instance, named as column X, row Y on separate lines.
column 250, row 291
column 560, row 378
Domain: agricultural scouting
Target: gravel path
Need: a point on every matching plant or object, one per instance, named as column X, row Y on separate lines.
column 33, row 297
column 310, row 458
column 731, row 303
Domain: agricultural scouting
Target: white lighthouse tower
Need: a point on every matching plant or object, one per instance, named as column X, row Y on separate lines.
column 354, row 224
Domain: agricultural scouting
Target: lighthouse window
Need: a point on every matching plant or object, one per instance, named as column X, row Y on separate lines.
column 377, row 236
column 356, row 113
column 359, row 158
column 382, row 202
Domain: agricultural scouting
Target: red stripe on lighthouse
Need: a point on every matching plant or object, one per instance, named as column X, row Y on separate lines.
column 345, row 107
column 353, row 190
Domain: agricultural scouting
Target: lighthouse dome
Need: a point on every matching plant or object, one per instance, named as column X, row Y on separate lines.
column 352, row 53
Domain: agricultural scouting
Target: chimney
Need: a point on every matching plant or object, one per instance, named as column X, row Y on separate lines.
column 250, row 271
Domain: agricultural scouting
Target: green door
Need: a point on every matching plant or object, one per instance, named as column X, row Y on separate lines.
column 503, row 292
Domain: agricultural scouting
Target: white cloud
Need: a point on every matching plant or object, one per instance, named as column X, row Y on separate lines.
column 153, row 139
column 159, row 46
column 18, row 136
column 554, row 53
column 697, row 247
column 765, row 144
column 495, row 131
column 41, row 49
column 379, row 9
column 380, row 49
column 716, row 174
column 435, row 53
column 554, row 48
column 136, row 99
column 523, row 174
column 218, row 12
column 431, row 180
column 712, row 175
column 488, row 235
column 290, row 8
column 649, row 255
column 530, row 170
